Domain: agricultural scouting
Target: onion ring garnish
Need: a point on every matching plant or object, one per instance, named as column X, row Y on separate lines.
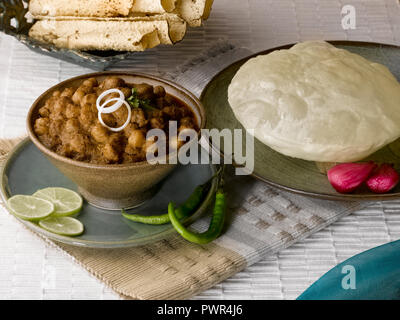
column 115, row 106
column 123, row 102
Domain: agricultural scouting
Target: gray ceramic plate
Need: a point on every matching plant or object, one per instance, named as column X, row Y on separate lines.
column 289, row 173
column 27, row 170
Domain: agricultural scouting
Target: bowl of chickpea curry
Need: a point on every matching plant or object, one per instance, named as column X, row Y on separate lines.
column 94, row 129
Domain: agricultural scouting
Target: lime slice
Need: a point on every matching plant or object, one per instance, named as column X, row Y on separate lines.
column 65, row 226
column 66, row 202
column 30, row 208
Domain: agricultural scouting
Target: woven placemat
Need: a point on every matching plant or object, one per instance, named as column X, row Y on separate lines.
column 176, row 269
column 256, row 24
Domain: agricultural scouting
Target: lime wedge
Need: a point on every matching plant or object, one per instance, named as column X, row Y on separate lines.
column 65, row 226
column 30, row 208
column 66, row 202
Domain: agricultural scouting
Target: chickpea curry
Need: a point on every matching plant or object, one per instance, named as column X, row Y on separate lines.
column 68, row 121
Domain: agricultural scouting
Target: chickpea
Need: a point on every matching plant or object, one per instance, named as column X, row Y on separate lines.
column 128, row 129
column 160, row 103
column 42, row 126
column 121, row 116
column 56, row 94
column 90, row 83
column 98, row 91
column 109, row 120
column 49, row 141
column 78, row 143
column 49, row 102
column 159, row 91
column 65, row 150
column 72, row 126
column 89, row 99
column 56, row 127
column 67, row 92
column 112, row 82
column 99, row 133
column 78, row 96
column 72, row 111
column 137, row 139
column 60, row 105
column 86, row 89
column 144, row 90
column 172, row 112
column 110, row 154
column 139, row 117
column 157, row 123
column 116, row 141
column 133, row 154
column 169, row 99
column 55, row 116
column 66, row 138
column 129, row 149
column 44, row 111
column 126, row 91
column 87, row 117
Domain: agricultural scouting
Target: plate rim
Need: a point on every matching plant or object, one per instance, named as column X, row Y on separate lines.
column 90, row 243
column 325, row 196
column 359, row 260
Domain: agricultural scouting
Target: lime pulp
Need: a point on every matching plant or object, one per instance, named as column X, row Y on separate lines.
column 65, row 226
column 66, row 202
column 30, row 208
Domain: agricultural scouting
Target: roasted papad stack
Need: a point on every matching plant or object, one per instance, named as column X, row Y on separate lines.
column 120, row 25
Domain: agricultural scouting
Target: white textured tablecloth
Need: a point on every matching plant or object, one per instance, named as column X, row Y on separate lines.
column 31, row 269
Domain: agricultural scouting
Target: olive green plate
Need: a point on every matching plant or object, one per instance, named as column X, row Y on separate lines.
column 27, row 170
column 288, row 173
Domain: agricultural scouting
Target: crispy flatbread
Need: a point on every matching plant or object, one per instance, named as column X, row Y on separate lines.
column 194, row 12
column 191, row 11
column 152, row 6
column 88, row 8
column 99, row 8
column 119, row 34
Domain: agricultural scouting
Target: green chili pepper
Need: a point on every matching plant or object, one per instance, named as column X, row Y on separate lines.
column 216, row 225
column 184, row 211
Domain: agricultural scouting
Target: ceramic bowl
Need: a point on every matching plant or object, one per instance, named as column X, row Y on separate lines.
column 119, row 185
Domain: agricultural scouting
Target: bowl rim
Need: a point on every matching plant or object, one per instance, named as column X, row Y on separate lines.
column 140, row 164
